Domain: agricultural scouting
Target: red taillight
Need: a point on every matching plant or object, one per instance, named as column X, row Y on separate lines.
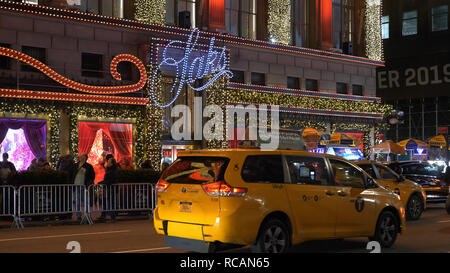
column 223, row 189
column 162, row 186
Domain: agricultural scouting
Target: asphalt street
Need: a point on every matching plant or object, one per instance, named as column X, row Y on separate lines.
column 430, row 234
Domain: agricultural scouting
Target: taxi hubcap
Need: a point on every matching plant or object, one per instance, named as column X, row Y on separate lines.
column 274, row 240
column 414, row 208
column 387, row 229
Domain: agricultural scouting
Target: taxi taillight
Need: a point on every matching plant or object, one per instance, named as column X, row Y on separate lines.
column 221, row 188
column 162, row 186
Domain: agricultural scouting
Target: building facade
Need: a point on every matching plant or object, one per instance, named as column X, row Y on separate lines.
column 315, row 60
column 416, row 79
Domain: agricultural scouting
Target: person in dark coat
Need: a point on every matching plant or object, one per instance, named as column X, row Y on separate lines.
column 111, row 177
column 147, row 164
column 6, row 169
column 67, row 164
column 83, row 175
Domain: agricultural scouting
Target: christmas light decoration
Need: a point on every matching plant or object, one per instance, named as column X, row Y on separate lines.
column 279, row 21
column 214, row 64
column 175, row 31
column 79, row 86
column 151, row 11
column 305, row 102
column 374, row 46
column 44, row 95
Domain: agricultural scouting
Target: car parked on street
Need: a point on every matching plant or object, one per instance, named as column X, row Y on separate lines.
column 412, row 194
column 426, row 175
column 271, row 200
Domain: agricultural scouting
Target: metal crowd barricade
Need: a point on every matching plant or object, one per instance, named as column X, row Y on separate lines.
column 121, row 198
column 40, row 200
column 8, row 203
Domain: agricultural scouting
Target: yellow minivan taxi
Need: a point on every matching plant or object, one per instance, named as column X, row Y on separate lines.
column 270, row 201
column 411, row 194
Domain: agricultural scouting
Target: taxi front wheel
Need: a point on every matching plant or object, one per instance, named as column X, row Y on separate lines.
column 273, row 238
column 386, row 230
column 414, row 208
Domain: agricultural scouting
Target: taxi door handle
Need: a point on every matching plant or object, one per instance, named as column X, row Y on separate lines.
column 330, row 193
column 341, row 193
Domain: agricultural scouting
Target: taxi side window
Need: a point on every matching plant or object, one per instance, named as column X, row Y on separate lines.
column 263, row 169
column 369, row 169
column 346, row 175
column 386, row 173
column 307, row 170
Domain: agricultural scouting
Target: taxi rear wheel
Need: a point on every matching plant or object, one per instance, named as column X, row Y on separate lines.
column 273, row 238
column 414, row 208
column 386, row 230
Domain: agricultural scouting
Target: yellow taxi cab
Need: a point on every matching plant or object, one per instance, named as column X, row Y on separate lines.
column 411, row 194
column 270, row 200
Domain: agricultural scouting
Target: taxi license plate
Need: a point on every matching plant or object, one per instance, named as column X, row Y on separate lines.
column 185, row 207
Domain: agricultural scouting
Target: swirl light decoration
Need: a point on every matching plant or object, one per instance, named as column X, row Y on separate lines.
column 84, row 87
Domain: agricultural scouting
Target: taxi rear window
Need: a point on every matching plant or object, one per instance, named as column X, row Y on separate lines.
column 196, row 170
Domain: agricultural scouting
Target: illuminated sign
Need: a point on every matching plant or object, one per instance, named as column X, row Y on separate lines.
column 189, row 62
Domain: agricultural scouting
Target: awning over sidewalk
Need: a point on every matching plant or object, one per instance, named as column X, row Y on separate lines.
column 388, row 147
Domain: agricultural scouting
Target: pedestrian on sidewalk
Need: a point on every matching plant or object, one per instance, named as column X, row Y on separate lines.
column 84, row 175
column 111, row 177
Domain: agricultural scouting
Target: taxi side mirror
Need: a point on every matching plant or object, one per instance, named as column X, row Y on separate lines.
column 400, row 178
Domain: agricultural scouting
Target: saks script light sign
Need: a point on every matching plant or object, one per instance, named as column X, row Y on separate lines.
column 189, row 63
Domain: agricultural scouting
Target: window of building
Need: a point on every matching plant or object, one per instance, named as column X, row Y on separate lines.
column 357, row 90
column 300, row 20
column 240, row 18
column 91, row 65
column 258, row 78
column 341, row 88
column 342, row 22
column 5, row 62
column 385, row 27
column 263, row 169
column 38, row 53
column 186, row 5
column 173, row 9
column 112, row 8
column 312, row 85
column 293, row 83
column 409, row 24
column 439, row 18
column 238, row 76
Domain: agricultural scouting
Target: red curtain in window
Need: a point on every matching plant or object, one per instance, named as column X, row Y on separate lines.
column 122, row 138
column 214, row 14
column 325, row 10
column 86, row 135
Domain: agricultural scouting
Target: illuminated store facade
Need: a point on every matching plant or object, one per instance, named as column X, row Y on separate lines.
column 73, row 85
